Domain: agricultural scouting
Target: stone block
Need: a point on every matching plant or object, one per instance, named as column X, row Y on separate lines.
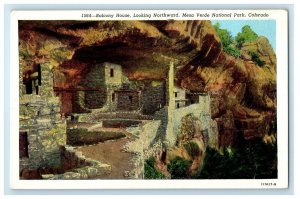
column 44, row 122
column 71, row 176
column 82, row 172
column 92, row 171
column 45, row 111
column 47, row 176
column 32, row 138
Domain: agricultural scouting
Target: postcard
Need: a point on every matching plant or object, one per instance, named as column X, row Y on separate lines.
column 164, row 99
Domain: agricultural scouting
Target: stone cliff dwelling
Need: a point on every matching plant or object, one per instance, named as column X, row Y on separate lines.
column 106, row 89
column 99, row 98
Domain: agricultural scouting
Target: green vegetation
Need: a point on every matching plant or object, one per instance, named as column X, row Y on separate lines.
column 192, row 149
column 252, row 160
column 232, row 45
column 246, row 35
column 149, row 170
column 83, row 136
column 178, row 168
column 255, row 58
column 227, row 41
column 231, row 50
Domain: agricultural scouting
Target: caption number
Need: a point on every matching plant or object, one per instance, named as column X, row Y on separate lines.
column 268, row 184
column 85, row 15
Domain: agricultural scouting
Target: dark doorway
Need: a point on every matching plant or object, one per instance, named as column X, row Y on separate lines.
column 39, row 74
column 113, row 97
column 111, row 72
column 28, row 86
column 23, row 144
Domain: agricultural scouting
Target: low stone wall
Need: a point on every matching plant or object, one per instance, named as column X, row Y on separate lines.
column 78, row 167
column 98, row 117
column 81, row 136
column 147, row 134
column 120, row 123
column 142, row 146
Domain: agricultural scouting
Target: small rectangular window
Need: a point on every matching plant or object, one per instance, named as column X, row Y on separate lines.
column 113, row 97
column 177, row 105
column 130, row 98
column 39, row 75
column 175, row 94
column 111, row 72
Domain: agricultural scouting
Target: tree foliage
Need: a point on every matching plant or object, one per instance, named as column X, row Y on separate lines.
column 252, row 160
column 178, row 168
column 224, row 34
column 246, row 35
column 149, row 170
column 231, row 45
column 227, row 41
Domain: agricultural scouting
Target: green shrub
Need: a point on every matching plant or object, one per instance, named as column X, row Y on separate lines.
column 178, row 168
column 246, row 35
column 151, row 161
column 232, row 51
column 149, row 170
column 192, row 149
column 255, row 58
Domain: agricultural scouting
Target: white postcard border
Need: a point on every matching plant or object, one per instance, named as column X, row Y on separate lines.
column 282, row 107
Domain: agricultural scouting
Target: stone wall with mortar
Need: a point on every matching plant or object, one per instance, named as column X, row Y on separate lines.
column 153, row 97
column 39, row 117
column 144, row 146
column 95, row 79
column 102, row 83
column 201, row 110
column 114, row 78
column 128, row 100
column 78, row 167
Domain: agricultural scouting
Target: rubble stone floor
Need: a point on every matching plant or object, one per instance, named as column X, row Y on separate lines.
column 110, row 152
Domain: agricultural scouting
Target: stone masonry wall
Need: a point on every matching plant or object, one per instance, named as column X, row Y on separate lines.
column 144, row 147
column 78, row 166
column 113, row 74
column 202, row 112
column 40, row 117
column 94, row 80
column 128, row 100
column 153, row 97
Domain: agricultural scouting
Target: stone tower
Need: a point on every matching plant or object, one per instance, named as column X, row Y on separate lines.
column 41, row 129
column 170, row 134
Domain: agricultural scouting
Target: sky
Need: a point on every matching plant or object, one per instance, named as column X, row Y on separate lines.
column 265, row 28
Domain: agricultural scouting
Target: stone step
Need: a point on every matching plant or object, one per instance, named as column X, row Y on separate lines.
column 86, row 172
column 98, row 125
